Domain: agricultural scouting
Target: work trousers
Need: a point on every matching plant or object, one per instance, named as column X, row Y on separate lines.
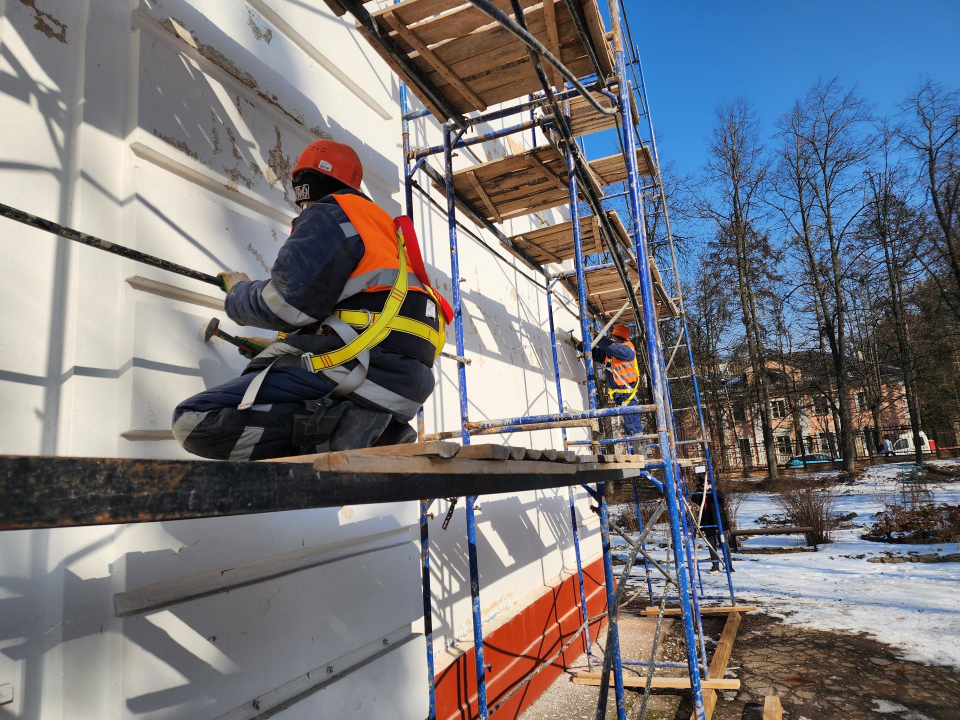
column 210, row 425
column 631, row 424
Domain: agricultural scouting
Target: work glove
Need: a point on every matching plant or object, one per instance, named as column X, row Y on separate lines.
column 255, row 342
column 578, row 344
column 229, row 279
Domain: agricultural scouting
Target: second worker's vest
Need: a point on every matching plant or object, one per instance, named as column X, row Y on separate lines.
column 625, row 375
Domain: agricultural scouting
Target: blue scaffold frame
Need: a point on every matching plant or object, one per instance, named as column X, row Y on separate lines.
column 684, row 523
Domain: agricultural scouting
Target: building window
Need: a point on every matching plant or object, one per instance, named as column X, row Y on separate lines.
column 820, row 405
column 828, row 444
column 784, row 445
column 746, row 453
column 739, row 412
column 860, row 400
column 779, row 408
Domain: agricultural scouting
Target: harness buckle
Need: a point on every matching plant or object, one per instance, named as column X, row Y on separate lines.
column 306, row 362
column 369, row 321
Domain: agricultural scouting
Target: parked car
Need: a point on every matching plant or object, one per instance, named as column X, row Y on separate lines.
column 798, row 461
column 903, row 443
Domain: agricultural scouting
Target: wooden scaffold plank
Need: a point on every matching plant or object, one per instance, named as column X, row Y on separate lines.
column 474, row 62
column 653, row 611
column 718, row 664
column 657, row 683
column 772, row 708
column 43, row 492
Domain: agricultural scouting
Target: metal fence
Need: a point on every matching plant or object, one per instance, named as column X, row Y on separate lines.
column 747, row 453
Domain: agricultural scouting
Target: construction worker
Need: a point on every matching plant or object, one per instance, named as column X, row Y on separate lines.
column 359, row 324
column 619, row 358
column 708, row 521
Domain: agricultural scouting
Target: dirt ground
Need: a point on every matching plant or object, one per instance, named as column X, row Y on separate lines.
column 818, row 676
column 833, row 676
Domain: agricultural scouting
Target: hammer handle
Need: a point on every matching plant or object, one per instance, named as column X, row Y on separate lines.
column 95, row 242
column 243, row 345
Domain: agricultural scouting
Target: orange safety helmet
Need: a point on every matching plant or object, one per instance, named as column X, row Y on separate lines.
column 337, row 160
column 621, row 331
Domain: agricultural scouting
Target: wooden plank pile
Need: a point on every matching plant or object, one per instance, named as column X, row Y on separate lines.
column 441, row 457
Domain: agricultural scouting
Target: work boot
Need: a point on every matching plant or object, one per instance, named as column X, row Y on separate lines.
column 714, row 570
column 397, row 433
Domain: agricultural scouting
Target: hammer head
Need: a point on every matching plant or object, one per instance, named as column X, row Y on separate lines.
column 211, row 329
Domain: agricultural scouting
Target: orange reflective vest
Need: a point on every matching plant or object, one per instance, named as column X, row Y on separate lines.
column 625, row 375
column 383, row 299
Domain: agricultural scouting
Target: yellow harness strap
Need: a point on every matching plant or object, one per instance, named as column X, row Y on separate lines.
column 378, row 329
column 360, row 318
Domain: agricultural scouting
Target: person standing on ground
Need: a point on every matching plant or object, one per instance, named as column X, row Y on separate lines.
column 708, row 521
column 887, row 447
column 359, row 324
column 618, row 356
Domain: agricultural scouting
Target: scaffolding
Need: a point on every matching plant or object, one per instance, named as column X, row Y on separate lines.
column 459, row 59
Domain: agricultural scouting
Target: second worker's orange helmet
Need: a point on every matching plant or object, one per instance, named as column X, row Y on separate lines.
column 331, row 158
column 622, row 332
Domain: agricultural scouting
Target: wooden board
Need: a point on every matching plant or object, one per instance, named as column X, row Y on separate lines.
column 472, row 61
column 718, row 663
column 43, row 492
column 772, row 709
column 612, row 169
column 528, row 182
column 554, row 243
column 372, row 464
column 485, row 452
column 584, row 119
column 772, row 531
column 606, row 293
column 432, row 448
column 653, row 611
column 658, row 683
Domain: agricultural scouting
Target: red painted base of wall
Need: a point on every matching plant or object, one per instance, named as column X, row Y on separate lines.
column 518, row 647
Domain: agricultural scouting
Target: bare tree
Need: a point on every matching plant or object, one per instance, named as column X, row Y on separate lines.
column 708, row 318
column 894, row 227
column 931, row 129
column 819, row 194
column 736, row 174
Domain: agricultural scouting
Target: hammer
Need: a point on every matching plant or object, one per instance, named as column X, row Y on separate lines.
column 213, row 329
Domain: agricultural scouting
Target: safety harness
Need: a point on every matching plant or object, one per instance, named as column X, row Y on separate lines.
column 632, row 391
column 361, row 330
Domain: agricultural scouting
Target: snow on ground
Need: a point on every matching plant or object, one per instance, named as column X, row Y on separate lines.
column 914, row 607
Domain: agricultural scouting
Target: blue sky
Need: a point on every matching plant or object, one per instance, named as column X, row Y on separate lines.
column 697, row 54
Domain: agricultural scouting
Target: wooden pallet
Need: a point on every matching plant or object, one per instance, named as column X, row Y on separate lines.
column 474, row 62
column 529, row 182
column 554, row 243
